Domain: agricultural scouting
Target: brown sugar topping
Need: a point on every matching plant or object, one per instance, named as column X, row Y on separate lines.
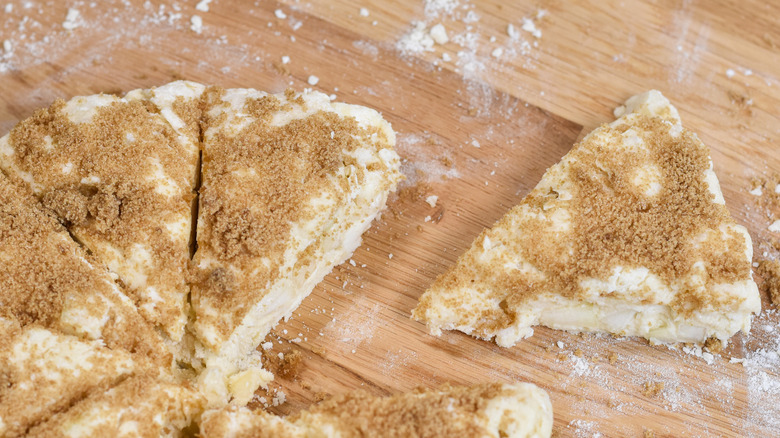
column 133, row 402
column 95, row 177
column 43, row 270
column 770, row 271
column 257, row 183
column 448, row 411
column 614, row 223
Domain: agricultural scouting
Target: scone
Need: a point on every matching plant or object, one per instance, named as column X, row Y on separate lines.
column 120, row 173
column 140, row 406
column 289, row 184
column 44, row 372
column 65, row 328
column 48, row 281
column 488, row 410
column 98, row 196
column 627, row 234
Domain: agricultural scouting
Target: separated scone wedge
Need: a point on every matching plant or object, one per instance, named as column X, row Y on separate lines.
column 627, row 234
column 289, row 184
column 65, row 328
column 120, row 174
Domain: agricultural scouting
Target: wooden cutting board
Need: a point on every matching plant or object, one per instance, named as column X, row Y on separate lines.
column 477, row 131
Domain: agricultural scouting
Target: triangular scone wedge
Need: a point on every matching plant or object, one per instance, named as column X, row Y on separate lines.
column 121, row 178
column 65, row 327
column 627, row 234
column 289, row 184
column 48, row 281
column 44, row 372
column 141, row 406
column 519, row 410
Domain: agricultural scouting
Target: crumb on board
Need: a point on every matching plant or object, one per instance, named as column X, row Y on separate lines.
column 652, row 389
column 770, row 271
column 713, row 345
column 290, row 365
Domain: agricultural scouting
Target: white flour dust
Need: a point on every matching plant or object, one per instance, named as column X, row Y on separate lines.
column 424, row 160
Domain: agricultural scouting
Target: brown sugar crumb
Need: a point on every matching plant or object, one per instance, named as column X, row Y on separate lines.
column 713, row 345
column 320, row 396
column 414, row 193
column 290, row 366
column 613, row 358
column 648, row 433
column 769, row 201
column 770, row 271
column 770, row 42
column 652, row 389
column 743, row 102
column 281, row 68
column 578, row 352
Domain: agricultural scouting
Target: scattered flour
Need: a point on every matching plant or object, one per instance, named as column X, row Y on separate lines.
column 417, row 40
column 355, row 326
column 584, row 429
column 196, row 24
column 439, row 34
column 279, row 398
column 394, row 360
column 423, row 160
column 203, row 5
column 762, row 366
column 473, row 52
column 72, row 20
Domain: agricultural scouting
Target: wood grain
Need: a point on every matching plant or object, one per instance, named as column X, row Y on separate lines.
column 524, row 111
